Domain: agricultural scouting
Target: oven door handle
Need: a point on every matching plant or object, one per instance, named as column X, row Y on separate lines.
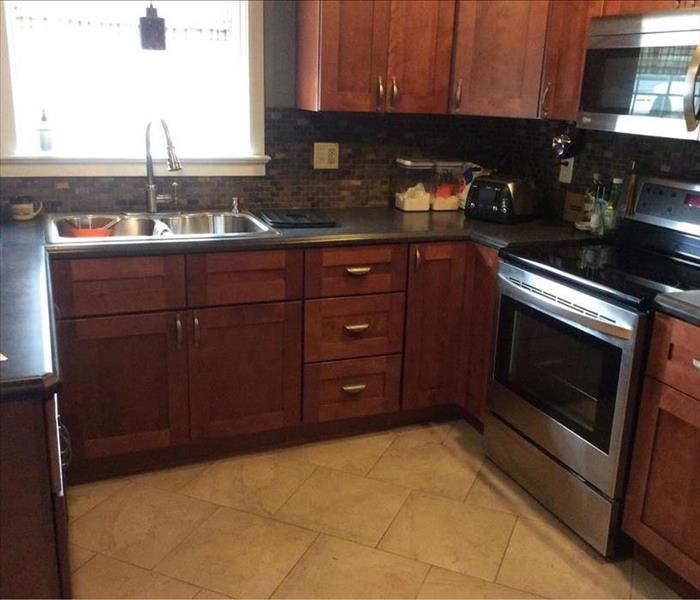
column 691, row 78
column 556, row 309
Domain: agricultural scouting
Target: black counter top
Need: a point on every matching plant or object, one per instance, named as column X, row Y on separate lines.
column 26, row 321
column 684, row 305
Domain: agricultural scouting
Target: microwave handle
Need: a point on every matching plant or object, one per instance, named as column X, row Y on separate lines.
column 691, row 118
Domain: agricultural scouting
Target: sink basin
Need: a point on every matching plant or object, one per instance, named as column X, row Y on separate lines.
column 106, row 228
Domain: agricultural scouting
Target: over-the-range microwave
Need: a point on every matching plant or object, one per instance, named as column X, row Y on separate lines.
column 641, row 74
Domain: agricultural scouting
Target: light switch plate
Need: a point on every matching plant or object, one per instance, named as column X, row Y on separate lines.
column 566, row 170
column 326, row 155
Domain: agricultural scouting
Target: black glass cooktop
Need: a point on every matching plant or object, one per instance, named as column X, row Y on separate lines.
column 629, row 274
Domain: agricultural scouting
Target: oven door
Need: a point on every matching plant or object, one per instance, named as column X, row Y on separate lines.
column 565, row 369
column 643, row 83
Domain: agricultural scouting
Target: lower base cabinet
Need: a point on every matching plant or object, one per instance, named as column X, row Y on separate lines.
column 125, row 383
column 245, row 369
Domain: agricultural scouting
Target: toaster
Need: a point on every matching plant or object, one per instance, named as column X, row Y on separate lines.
column 500, row 199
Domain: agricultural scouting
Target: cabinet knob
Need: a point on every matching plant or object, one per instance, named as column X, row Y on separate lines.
column 394, row 93
column 197, row 331
column 419, row 259
column 380, row 92
column 543, row 104
column 358, row 388
column 458, row 94
column 178, row 330
column 696, row 364
column 356, row 328
column 358, row 271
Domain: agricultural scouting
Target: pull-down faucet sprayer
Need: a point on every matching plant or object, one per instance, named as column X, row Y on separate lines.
column 173, row 165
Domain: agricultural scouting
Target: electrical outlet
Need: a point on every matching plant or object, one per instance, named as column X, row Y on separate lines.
column 326, row 155
column 566, row 170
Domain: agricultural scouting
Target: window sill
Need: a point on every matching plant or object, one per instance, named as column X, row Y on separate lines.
column 50, row 166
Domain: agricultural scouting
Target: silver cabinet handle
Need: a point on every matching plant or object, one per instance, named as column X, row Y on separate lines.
column 458, row 94
column 696, row 364
column 358, row 388
column 380, row 92
column 356, row 328
column 419, row 259
column 543, row 102
column 394, row 93
column 691, row 119
column 178, row 330
column 197, row 332
column 357, row 271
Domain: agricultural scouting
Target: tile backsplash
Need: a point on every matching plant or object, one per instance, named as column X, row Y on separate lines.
column 369, row 144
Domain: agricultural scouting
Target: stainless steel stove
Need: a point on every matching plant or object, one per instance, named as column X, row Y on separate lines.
column 571, row 343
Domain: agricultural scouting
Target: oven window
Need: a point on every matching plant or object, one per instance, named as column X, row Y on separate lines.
column 568, row 374
column 636, row 81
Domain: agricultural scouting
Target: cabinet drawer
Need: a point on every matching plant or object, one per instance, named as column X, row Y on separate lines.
column 244, row 277
column 351, row 388
column 353, row 327
column 107, row 286
column 358, row 270
column 674, row 357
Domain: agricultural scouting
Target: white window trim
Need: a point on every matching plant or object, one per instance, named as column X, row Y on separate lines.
column 49, row 166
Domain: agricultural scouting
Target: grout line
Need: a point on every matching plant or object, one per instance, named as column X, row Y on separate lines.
column 505, row 551
column 425, row 577
column 107, row 497
column 281, row 506
column 374, row 464
column 318, row 535
column 393, row 518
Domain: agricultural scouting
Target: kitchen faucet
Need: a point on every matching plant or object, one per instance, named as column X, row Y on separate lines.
column 152, row 195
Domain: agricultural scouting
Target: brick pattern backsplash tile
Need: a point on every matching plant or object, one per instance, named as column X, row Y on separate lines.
column 369, row 145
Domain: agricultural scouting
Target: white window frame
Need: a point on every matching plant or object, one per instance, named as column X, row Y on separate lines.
column 12, row 165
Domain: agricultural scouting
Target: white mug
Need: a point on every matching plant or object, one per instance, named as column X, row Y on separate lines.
column 25, row 211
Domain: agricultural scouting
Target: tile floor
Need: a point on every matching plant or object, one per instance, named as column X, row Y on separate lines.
column 416, row 512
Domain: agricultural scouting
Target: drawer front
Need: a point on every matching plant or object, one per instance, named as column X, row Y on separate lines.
column 351, row 388
column 674, row 357
column 358, row 270
column 106, row 286
column 244, row 277
column 338, row 328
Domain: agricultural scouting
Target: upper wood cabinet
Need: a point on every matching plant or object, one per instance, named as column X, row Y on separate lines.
column 374, row 55
column 498, row 54
column 624, row 7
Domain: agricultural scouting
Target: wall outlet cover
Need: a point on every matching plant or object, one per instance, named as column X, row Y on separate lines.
column 566, row 170
column 326, row 155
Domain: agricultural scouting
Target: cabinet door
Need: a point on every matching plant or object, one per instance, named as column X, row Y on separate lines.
column 245, row 368
column 420, row 45
column 124, row 383
column 624, row 7
column 481, row 305
column 342, row 54
column 565, row 53
column 662, row 510
column 433, row 373
column 499, row 48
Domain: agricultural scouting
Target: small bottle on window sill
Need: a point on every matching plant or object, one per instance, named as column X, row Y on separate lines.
column 45, row 144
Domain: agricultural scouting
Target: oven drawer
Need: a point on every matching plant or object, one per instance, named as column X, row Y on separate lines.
column 338, row 328
column 674, row 356
column 351, row 388
column 357, row 270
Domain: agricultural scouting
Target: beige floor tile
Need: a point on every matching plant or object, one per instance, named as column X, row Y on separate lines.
column 420, row 434
column 238, row 554
column 433, row 468
column 355, row 454
column 442, row 583
column 451, row 534
column 78, row 556
column 466, row 441
column 546, row 558
column 170, row 480
column 83, row 497
column 648, row 586
column 258, row 483
column 104, row 577
column 139, row 524
column 335, row 568
column 211, row 595
column 494, row 489
column 349, row 506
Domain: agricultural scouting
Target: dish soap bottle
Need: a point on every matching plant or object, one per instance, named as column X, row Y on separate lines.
column 613, row 204
column 45, row 144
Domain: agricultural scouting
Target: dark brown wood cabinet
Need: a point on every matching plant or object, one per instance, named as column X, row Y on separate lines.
column 498, row 57
column 662, row 511
column 624, row 7
column 374, row 55
column 125, row 383
column 245, row 368
column 481, row 303
column 433, row 371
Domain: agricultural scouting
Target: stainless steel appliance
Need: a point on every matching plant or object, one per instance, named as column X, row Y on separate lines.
column 500, row 199
column 641, row 74
column 572, row 330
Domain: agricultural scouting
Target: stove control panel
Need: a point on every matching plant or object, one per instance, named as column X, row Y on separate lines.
column 668, row 203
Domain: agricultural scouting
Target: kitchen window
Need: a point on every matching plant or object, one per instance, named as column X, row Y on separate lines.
column 78, row 88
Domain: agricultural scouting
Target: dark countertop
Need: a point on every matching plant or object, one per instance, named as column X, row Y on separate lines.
column 26, row 321
column 684, row 305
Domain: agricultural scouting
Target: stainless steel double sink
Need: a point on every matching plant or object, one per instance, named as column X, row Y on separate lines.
column 106, row 228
